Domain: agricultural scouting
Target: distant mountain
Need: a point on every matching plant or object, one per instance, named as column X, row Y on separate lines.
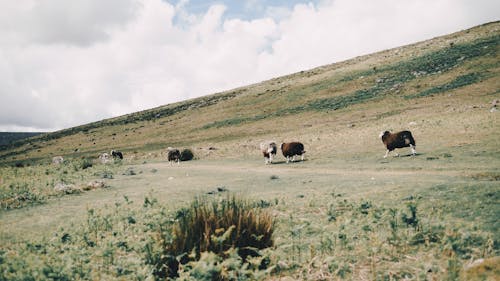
column 7, row 138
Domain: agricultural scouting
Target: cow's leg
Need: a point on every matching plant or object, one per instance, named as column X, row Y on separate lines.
column 413, row 151
column 386, row 153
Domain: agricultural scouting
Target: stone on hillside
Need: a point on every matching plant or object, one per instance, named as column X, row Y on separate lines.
column 57, row 160
column 95, row 185
column 66, row 188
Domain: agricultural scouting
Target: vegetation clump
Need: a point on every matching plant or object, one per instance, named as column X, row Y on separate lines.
column 209, row 240
column 458, row 82
column 216, row 230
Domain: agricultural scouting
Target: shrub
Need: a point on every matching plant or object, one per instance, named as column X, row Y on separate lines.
column 217, row 226
column 186, row 155
column 86, row 163
column 19, row 195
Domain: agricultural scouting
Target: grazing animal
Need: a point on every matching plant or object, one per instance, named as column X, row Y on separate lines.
column 116, row 154
column 104, row 158
column 268, row 149
column 292, row 149
column 173, row 155
column 398, row 140
column 57, row 160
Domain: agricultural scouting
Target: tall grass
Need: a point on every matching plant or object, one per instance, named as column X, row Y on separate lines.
column 219, row 227
column 216, row 226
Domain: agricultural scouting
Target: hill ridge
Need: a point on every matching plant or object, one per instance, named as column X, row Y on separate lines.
column 388, row 74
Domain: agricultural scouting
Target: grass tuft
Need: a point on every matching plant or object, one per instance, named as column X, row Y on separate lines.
column 217, row 226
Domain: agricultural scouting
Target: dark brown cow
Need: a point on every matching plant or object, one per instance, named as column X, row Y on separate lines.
column 173, row 155
column 291, row 149
column 398, row 140
column 116, row 154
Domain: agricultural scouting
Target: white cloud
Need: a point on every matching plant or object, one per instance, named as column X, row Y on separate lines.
column 64, row 63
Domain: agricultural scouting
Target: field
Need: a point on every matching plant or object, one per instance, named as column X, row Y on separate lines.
column 345, row 213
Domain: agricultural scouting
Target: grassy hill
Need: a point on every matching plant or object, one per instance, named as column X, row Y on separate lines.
column 7, row 138
column 345, row 213
column 443, row 80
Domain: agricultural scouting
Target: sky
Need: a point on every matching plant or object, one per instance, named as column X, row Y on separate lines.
column 67, row 63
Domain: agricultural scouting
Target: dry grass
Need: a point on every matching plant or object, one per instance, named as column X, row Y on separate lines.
column 218, row 225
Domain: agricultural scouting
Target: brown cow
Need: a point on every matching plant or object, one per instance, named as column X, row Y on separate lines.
column 291, row 149
column 398, row 140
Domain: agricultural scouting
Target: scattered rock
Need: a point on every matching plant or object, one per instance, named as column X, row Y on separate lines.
column 94, row 185
column 475, row 263
column 493, row 109
column 282, row 265
column 413, row 123
column 104, row 158
column 170, row 178
column 129, row 172
column 66, row 188
column 57, row 160
column 350, row 125
column 221, row 189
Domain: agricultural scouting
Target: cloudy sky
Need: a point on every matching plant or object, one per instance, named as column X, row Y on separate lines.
column 66, row 63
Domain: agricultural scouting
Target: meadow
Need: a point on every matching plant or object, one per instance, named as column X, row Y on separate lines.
column 367, row 219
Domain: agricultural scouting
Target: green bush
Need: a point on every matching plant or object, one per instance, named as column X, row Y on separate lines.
column 18, row 195
column 85, row 163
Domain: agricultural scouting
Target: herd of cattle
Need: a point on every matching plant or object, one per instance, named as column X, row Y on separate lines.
column 269, row 149
column 292, row 149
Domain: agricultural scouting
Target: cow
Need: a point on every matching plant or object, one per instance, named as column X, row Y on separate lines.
column 116, row 154
column 268, row 149
column 173, row 155
column 398, row 140
column 292, row 149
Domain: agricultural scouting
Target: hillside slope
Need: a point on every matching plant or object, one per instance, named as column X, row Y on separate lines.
column 444, row 85
column 7, row 138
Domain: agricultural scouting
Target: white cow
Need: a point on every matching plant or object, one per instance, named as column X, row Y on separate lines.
column 268, row 149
